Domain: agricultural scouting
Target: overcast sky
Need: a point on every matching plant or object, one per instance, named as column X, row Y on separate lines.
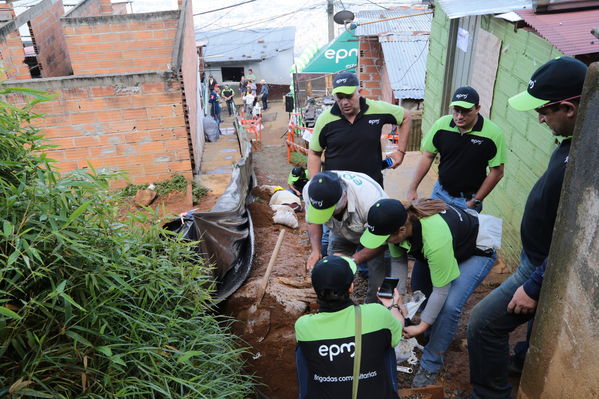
column 308, row 16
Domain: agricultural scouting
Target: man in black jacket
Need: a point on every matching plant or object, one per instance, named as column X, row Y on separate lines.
column 553, row 92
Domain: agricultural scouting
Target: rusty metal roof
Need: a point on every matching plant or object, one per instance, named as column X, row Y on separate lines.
column 569, row 32
column 418, row 23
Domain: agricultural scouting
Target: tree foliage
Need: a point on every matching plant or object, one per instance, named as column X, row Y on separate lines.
column 92, row 306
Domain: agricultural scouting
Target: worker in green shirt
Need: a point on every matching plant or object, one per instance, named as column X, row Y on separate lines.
column 228, row 94
column 448, row 268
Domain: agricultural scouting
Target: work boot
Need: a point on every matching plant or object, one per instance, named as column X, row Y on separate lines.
column 424, row 378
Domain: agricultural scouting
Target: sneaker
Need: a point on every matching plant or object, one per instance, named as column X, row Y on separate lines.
column 423, row 378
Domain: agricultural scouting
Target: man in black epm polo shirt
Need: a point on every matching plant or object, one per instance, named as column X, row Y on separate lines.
column 554, row 93
column 468, row 144
column 350, row 132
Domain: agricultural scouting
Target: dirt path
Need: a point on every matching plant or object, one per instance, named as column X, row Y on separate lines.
column 269, row 327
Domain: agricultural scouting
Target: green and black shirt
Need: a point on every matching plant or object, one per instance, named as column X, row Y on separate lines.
column 355, row 146
column 442, row 241
column 325, row 353
column 465, row 157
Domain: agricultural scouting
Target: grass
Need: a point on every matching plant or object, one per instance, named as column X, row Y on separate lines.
column 299, row 159
column 96, row 307
column 177, row 183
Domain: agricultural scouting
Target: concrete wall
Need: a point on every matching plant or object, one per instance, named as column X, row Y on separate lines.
column 121, row 43
column 132, row 123
column 50, row 44
column 274, row 70
column 529, row 143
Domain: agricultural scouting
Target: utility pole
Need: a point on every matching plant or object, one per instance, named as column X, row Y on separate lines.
column 330, row 11
column 562, row 358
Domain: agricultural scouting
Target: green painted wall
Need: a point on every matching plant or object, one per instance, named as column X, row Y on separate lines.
column 529, row 143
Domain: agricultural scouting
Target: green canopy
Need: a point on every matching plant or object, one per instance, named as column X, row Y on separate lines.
column 340, row 54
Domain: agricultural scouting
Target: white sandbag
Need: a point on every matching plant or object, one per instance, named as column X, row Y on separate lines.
column 489, row 232
column 284, row 215
column 284, row 197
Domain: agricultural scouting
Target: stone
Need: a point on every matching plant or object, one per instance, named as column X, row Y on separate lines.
column 144, row 197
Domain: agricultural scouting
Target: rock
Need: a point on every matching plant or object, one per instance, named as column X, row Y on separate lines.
column 144, row 197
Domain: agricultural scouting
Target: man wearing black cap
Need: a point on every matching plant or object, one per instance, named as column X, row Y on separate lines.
column 553, row 92
column 350, row 132
column 468, row 144
column 340, row 200
column 326, row 341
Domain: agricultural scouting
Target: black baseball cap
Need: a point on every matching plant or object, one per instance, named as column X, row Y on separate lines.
column 298, row 172
column 465, row 97
column 333, row 273
column 385, row 217
column 324, row 191
column 346, row 83
column 559, row 79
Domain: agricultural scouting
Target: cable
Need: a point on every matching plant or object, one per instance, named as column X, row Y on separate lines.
column 378, row 5
column 223, row 8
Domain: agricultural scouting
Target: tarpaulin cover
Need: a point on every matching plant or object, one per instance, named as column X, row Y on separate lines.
column 226, row 233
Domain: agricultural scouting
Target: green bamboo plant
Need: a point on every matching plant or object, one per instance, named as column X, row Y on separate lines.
column 92, row 306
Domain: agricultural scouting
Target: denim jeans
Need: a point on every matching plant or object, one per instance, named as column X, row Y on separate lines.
column 488, row 336
column 472, row 272
column 378, row 268
column 460, row 202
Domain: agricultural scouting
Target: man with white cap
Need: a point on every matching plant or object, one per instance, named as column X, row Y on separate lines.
column 468, row 144
column 553, row 92
column 349, row 133
column 340, row 200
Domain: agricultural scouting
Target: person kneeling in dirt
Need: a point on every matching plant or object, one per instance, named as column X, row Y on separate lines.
column 448, row 268
column 340, row 200
column 328, row 342
column 297, row 180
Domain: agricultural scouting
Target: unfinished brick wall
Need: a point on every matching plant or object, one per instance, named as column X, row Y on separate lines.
column 91, row 8
column 50, row 44
column 189, row 74
column 121, row 43
column 370, row 67
column 133, row 124
column 12, row 56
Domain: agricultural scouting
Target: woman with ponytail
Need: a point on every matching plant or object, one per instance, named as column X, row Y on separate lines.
column 448, row 266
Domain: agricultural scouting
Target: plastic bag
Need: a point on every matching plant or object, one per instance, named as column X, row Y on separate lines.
column 489, row 232
column 284, row 215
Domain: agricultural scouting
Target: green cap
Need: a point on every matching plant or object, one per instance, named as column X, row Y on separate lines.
column 325, row 191
column 346, row 83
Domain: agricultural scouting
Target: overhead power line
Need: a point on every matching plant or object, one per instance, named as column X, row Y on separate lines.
column 223, row 8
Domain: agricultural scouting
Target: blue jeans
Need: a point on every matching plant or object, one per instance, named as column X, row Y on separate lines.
column 488, row 336
column 472, row 272
column 460, row 202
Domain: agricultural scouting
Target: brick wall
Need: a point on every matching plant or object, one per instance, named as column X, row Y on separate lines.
column 12, row 56
column 133, row 124
column 91, row 8
column 189, row 76
column 52, row 52
column 529, row 144
column 121, row 43
column 370, row 67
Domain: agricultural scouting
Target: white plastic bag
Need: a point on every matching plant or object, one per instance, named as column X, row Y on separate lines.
column 284, row 215
column 489, row 232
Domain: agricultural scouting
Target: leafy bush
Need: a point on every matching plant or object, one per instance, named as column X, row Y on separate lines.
column 94, row 307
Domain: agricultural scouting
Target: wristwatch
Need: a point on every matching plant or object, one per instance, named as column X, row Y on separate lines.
column 393, row 306
column 476, row 202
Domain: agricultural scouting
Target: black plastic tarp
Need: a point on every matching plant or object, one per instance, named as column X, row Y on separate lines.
column 225, row 232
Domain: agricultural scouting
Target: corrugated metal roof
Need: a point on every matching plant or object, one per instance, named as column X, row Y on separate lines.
column 419, row 23
column 246, row 45
column 405, row 56
column 569, row 32
column 463, row 8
